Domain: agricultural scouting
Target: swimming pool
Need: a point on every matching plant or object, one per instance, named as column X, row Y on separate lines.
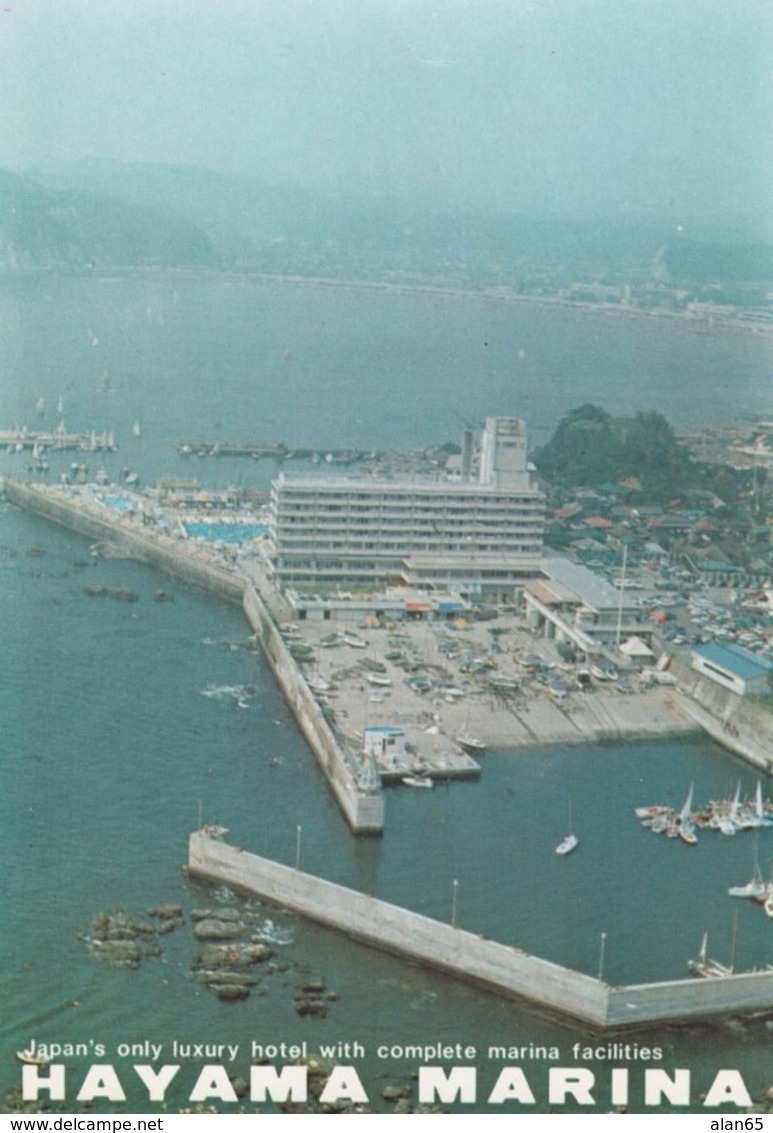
column 226, row 532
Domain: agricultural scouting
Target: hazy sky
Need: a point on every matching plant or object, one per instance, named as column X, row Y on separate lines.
column 560, row 104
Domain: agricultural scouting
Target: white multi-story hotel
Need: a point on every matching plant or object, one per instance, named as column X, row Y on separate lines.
column 480, row 534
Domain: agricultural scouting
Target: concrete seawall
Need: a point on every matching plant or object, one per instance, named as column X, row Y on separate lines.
column 363, row 808
column 161, row 551
column 736, row 723
column 502, row 968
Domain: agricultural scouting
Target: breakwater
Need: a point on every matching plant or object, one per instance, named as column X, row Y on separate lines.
column 358, row 793
column 502, row 968
column 96, row 523
column 361, row 802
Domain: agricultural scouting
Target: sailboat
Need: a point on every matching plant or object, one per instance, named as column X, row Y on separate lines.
column 571, row 841
column 684, row 825
column 136, row 430
column 469, row 743
column 706, row 968
column 712, row 969
column 757, row 888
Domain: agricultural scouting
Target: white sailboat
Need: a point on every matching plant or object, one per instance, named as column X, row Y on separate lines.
column 468, row 742
column 571, row 841
column 709, row 969
column 706, row 968
column 684, row 824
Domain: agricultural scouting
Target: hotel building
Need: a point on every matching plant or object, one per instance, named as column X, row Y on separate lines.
column 479, row 535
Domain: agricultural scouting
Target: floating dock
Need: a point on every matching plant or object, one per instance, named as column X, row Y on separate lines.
column 502, row 968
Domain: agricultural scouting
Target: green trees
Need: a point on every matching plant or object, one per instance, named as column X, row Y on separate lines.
column 591, row 447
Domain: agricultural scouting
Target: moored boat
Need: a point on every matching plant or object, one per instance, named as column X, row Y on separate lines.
column 417, row 781
column 705, row 967
column 30, row 1058
column 569, row 843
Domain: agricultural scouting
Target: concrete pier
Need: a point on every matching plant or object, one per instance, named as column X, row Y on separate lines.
column 502, row 968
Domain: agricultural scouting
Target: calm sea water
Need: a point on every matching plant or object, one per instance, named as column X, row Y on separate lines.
column 110, row 748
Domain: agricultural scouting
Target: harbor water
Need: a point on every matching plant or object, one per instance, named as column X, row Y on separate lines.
column 125, row 722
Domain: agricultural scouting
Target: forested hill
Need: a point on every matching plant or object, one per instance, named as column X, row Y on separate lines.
column 41, row 227
column 591, row 448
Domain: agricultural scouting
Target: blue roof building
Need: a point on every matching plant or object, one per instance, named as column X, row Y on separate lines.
column 733, row 667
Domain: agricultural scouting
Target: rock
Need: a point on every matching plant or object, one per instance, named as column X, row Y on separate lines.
column 212, row 929
column 230, row 994
column 169, row 925
column 313, row 1007
column 313, row 987
column 141, row 928
column 166, row 912
column 227, row 913
column 119, row 951
column 392, row 1093
column 119, row 932
column 125, row 594
column 232, row 979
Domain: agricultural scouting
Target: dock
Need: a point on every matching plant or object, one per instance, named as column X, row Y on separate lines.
column 269, row 449
column 20, row 440
column 504, row 969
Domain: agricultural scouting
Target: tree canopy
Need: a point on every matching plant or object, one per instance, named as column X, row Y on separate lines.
column 590, row 447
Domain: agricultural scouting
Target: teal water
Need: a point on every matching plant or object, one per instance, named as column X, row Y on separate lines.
column 110, row 748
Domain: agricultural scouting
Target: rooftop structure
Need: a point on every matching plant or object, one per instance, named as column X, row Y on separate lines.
column 479, row 535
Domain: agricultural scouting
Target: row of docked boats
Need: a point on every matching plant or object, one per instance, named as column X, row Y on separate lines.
column 728, row 816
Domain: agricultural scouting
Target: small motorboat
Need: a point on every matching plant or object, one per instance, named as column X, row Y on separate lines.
column 417, row 781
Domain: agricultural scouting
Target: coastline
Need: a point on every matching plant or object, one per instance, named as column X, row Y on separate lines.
column 484, row 293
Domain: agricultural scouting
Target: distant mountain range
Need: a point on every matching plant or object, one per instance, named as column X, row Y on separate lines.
column 105, row 213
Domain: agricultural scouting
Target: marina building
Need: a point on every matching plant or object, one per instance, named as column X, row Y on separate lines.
column 733, row 667
column 478, row 535
column 573, row 604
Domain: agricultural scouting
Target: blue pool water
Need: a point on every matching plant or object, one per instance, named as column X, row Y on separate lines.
column 226, row 532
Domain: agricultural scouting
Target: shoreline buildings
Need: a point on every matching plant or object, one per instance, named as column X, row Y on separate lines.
column 478, row 534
